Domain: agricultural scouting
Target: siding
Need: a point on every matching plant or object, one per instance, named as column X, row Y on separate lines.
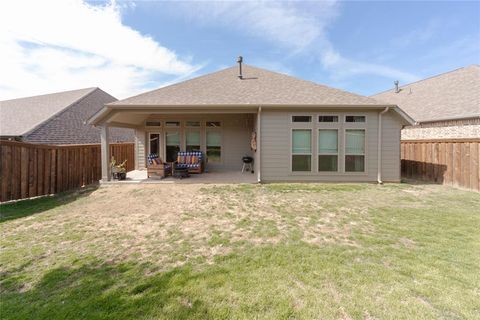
column 391, row 127
column 275, row 148
column 236, row 130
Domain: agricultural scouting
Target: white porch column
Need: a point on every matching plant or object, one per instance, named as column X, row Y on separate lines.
column 105, row 151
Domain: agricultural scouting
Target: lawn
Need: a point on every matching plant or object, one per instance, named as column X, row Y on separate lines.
column 275, row 251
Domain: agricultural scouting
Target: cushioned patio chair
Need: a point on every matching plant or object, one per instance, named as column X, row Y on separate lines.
column 193, row 161
column 156, row 167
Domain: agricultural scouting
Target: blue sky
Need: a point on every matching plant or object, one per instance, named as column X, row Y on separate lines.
column 359, row 46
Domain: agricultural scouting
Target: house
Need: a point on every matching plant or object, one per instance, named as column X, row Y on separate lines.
column 57, row 118
column 446, row 106
column 301, row 131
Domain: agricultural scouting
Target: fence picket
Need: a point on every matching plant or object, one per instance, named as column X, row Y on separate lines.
column 451, row 162
column 29, row 170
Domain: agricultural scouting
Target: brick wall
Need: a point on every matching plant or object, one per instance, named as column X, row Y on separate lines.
column 453, row 129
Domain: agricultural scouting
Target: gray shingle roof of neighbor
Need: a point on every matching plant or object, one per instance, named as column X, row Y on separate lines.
column 451, row 95
column 20, row 116
column 258, row 87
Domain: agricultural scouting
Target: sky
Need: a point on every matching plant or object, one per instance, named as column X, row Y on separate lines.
column 129, row 47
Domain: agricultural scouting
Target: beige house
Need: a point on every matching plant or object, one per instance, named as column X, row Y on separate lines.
column 295, row 130
column 446, row 106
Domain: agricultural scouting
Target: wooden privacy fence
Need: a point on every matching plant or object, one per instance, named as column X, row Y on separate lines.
column 451, row 162
column 29, row 170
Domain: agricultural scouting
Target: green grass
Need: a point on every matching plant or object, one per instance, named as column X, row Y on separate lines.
column 279, row 251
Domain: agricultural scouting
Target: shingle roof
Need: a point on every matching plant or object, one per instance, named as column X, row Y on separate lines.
column 258, row 87
column 451, row 95
column 20, row 116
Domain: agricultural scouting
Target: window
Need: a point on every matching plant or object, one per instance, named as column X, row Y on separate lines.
column 154, row 143
column 327, row 118
column 327, row 150
column 301, row 150
column 193, row 140
column 153, row 123
column 215, row 124
column 354, row 118
column 214, row 146
column 354, row 150
column 172, row 145
column 172, row 123
column 301, row 119
column 192, row 123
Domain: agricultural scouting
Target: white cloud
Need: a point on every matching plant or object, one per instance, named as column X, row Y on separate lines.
column 298, row 27
column 67, row 44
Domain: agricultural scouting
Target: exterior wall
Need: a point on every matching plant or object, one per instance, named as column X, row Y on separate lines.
column 70, row 127
column 236, row 130
column 454, row 129
column 276, row 129
column 391, row 163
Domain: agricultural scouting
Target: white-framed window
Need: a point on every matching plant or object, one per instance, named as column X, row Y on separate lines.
column 214, row 145
column 327, row 150
column 152, row 123
column 172, row 123
column 301, row 118
column 327, row 118
column 192, row 124
column 355, row 118
column 154, row 143
column 354, row 150
column 172, row 145
column 192, row 140
column 301, row 150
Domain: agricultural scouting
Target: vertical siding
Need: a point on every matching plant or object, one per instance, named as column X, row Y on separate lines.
column 275, row 144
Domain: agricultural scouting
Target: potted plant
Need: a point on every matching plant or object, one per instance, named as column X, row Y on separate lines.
column 119, row 171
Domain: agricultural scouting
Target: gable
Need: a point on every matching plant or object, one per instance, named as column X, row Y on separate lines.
column 19, row 116
column 452, row 95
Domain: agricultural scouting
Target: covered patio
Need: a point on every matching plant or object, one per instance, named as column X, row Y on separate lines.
column 223, row 138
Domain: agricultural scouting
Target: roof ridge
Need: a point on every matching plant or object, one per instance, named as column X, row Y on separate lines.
column 428, row 78
column 59, row 112
column 90, row 89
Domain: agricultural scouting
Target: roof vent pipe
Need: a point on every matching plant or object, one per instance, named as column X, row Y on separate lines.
column 240, row 60
column 397, row 89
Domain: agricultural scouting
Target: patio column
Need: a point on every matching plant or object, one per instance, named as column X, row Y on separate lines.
column 105, row 151
column 259, row 150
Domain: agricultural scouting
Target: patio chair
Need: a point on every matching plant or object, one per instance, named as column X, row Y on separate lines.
column 191, row 160
column 156, row 167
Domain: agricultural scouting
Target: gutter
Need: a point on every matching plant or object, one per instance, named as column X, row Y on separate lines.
column 259, row 139
column 379, row 144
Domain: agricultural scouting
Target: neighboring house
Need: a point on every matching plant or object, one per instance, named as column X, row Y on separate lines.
column 304, row 131
column 446, row 106
column 57, row 118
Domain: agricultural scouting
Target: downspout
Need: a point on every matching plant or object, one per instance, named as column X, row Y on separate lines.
column 379, row 144
column 259, row 149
